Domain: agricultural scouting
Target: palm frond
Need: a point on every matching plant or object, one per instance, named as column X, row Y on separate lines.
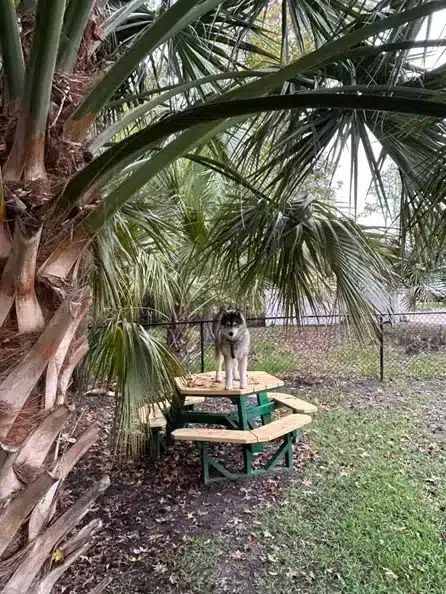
column 128, row 260
column 140, row 368
column 305, row 250
column 13, row 66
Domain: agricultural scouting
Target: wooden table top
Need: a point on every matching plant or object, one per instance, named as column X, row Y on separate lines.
column 204, row 384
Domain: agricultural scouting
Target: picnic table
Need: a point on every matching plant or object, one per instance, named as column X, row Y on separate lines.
column 249, row 425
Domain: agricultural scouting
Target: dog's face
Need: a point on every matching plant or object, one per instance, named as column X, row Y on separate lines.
column 232, row 324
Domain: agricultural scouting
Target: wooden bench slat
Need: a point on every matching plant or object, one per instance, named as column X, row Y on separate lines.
column 150, row 416
column 280, row 427
column 263, row 434
column 214, row 435
column 295, row 404
column 154, row 415
column 194, row 400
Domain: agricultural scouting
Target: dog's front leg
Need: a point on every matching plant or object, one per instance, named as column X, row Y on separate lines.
column 243, row 368
column 229, row 372
column 235, row 367
column 218, row 363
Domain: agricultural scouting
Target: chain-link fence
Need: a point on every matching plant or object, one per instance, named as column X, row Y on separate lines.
column 404, row 345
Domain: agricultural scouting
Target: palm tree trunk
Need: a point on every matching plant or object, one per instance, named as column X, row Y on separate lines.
column 41, row 346
column 179, row 339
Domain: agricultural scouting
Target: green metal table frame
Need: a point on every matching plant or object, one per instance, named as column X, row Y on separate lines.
column 213, row 471
column 242, row 418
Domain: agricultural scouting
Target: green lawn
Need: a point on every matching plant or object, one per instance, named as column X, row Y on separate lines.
column 430, row 306
column 366, row 517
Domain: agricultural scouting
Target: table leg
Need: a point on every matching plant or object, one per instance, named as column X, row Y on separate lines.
column 247, row 460
column 262, row 398
column 242, row 413
column 155, row 444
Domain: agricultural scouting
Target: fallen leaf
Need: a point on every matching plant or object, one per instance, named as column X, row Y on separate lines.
column 160, row 568
column 58, row 555
column 390, row 574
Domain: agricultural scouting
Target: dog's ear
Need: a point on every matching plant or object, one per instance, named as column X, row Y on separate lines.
column 239, row 316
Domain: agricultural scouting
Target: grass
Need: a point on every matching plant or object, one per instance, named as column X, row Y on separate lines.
column 363, row 361
column 368, row 516
column 430, row 306
column 348, row 360
column 264, row 356
column 198, row 566
column 367, row 521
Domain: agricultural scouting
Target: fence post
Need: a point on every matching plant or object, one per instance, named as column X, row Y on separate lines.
column 381, row 348
column 202, row 345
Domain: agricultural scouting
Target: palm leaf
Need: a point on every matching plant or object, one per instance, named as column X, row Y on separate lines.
column 13, row 66
column 140, row 366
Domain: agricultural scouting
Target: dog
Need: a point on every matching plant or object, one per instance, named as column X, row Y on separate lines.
column 232, row 341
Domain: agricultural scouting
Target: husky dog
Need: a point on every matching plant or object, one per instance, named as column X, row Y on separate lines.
column 231, row 344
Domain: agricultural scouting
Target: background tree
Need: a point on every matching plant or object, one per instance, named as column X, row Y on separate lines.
column 390, row 206
column 416, row 254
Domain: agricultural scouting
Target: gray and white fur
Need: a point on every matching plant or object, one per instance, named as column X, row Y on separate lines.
column 232, row 341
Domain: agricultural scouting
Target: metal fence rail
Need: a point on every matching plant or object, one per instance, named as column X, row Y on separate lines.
column 405, row 345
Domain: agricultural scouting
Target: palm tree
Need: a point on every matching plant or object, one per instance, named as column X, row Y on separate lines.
column 87, row 122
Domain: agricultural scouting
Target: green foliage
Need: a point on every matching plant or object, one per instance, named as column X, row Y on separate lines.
column 139, row 367
column 392, row 189
column 250, row 212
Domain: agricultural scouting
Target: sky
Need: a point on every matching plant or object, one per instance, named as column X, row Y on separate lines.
column 433, row 60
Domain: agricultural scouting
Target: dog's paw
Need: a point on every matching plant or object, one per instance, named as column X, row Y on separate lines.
column 218, row 379
column 228, row 387
column 236, row 376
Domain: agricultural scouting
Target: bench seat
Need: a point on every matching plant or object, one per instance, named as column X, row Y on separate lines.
column 214, row 435
column 151, row 416
column 154, row 415
column 191, row 400
column 263, row 434
column 281, row 427
column 295, row 404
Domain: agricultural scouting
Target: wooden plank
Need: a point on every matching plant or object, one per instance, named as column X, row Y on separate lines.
column 154, row 415
column 214, row 435
column 190, row 400
column 295, row 404
column 151, row 416
column 203, row 384
column 281, row 427
column 273, row 430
